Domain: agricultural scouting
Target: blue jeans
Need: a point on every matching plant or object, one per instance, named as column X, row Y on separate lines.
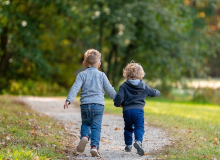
column 91, row 115
column 134, row 123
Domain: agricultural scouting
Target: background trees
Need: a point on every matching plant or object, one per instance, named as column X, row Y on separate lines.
column 45, row 40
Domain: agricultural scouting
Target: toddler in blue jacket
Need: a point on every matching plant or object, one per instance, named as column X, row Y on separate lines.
column 131, row 97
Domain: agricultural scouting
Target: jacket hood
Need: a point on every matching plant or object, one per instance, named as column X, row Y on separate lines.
column 135, row 89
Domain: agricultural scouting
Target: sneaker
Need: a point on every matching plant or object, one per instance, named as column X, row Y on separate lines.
column 82, row 144
column 139, row 148
column 128, row 148
column 94, row 152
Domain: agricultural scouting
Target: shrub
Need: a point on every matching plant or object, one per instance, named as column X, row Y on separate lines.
column 30, row 87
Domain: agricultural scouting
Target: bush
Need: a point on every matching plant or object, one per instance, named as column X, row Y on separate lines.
column 204, row 95
column 30, row 87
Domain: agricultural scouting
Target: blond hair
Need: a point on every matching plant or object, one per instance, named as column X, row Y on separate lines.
column 133, row 71
column 92, row 58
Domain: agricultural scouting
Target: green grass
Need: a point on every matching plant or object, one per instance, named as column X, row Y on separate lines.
column 25, row 134
column 194, row 128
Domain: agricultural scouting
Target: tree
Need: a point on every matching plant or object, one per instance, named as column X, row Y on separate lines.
column 34, row 40
column 161, row 35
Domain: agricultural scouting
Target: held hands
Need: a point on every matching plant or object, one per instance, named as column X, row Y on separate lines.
column 66, row 105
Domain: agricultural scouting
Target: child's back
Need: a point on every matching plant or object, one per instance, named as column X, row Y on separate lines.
column 93, row 83
column 131, row 97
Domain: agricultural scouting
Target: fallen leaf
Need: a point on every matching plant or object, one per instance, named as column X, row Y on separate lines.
column 102, row 140
column 117, row 128
column 216, row 139
column 190, row 132
column 8, row 138
column 215, row 143
column 146, row 153
column 32, row 132
column 36, row 158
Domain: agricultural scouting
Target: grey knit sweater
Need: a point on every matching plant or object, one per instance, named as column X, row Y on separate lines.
column 93, row 83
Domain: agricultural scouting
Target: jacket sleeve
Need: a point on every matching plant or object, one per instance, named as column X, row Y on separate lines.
column 152, row 92
column 119, row 98
column 110, row 91
column 75, row 89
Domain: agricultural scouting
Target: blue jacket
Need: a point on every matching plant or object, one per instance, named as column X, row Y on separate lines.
column 133, row 96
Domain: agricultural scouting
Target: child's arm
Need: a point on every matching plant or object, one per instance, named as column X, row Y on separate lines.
column 73, row 91
column 152, row 92
column 119, row 97
column 108, row 87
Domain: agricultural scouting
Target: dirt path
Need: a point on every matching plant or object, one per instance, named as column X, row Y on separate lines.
column 112, row 141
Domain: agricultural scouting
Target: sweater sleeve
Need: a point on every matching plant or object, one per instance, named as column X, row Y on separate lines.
column 110, row 91
column 75, row 89
column 119, row 98
column 152, row 92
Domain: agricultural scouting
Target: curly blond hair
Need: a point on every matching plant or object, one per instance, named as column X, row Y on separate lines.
column 92, row 58
column 133, row 71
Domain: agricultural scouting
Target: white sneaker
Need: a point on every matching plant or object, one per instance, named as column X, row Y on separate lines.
column 82, row 144
column 139, row 148
column 94, row 152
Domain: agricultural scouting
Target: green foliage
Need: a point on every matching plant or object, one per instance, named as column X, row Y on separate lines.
column 30, row 87
column 206, row 95
column 45, row 40
column 161, row 35
column 34, row 41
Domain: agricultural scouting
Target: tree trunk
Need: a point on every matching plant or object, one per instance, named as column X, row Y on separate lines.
column 4, row 58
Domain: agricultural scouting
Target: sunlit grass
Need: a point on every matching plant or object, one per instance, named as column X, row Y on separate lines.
column 194, row 128
column 25, row 134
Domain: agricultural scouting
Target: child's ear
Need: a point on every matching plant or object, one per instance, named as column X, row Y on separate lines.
column 99, row 64
column 84, row 63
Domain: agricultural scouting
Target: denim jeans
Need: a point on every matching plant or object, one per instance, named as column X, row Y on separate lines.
column 134, row 123
column 91, row 115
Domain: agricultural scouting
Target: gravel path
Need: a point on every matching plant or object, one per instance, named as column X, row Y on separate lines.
column 112, row 140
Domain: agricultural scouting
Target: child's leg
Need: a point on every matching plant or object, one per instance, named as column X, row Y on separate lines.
column 138, row 124
column 138, row 121
column 129, row 127
column 86, row 120
column 96, row 115
column 85, row 128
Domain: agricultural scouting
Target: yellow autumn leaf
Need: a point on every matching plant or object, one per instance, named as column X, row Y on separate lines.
column 32, row 132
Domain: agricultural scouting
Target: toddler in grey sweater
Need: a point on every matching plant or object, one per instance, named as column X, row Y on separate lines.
column 93, row 83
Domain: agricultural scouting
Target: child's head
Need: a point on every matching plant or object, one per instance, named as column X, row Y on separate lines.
column 92, row 58
column 133, row 71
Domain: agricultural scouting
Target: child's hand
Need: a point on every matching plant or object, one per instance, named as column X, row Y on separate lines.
column 66, row 105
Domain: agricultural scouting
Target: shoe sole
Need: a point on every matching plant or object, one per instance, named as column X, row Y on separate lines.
column 94, row 153
column 139, row 149
column 82, row 145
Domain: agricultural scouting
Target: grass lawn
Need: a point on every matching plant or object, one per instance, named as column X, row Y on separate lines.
column 194, row 128
column 25, row 134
